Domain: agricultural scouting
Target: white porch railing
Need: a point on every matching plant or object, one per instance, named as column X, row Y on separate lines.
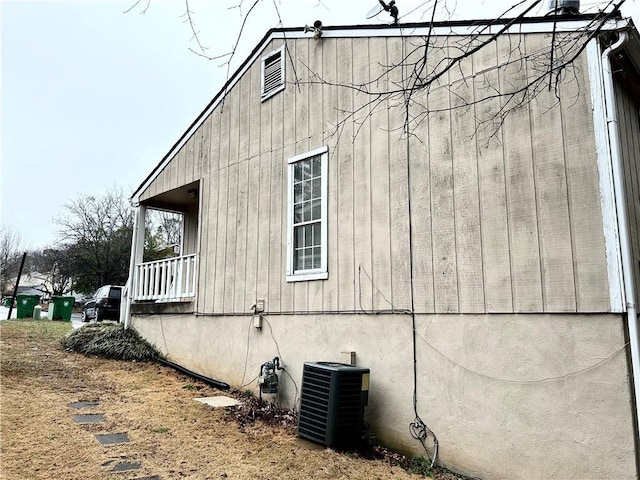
column 170, row 280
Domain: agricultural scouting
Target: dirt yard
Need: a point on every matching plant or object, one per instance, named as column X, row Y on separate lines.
column 171, row 436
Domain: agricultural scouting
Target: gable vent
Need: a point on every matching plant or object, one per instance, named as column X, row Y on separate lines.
column 332, row 403
column 272, row 73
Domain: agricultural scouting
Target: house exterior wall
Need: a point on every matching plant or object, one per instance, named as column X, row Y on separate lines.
column 508, row 396
column 517, row 354
column 503, row 218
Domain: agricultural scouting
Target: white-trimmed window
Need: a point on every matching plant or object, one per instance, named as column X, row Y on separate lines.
column 307, row 216
column 272, row 73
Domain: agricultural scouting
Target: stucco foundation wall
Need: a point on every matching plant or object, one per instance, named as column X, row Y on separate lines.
column 509, row 396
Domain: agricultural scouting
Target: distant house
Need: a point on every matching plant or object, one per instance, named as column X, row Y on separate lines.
column 30, row 284
column 31, row 290
column 512, row 245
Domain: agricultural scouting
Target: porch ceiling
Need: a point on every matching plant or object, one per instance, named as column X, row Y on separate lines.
column 178, row 199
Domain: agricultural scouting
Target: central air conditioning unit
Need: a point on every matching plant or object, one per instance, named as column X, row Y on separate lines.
column 332, row 403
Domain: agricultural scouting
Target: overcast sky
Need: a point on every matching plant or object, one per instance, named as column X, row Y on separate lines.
column 93, row 97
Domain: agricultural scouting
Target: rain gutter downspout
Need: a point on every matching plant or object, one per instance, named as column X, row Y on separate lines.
column 623, row 225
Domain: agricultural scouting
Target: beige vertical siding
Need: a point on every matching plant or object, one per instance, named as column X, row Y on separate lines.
column 505, row 215
column 301, row 135
column 442, row 228
column 628, row 107
column 466, row 191
column 342, row 182
column 331, row 287
column 550, row 178
column 209, row 219
column 362, row 187
column 524, row 239
column 190, row 240
column 494, row 222
column 400, row 294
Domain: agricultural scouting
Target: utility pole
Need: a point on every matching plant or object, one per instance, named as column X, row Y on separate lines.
column 15, row 288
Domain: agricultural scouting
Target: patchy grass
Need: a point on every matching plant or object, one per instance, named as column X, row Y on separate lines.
column 171, row 435
column 42, row 330
column 108, row 340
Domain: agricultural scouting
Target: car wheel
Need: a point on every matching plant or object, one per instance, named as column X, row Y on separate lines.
column 83, row 317
column 98, row 317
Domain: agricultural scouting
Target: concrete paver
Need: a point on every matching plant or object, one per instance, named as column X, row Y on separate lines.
column 112, row 438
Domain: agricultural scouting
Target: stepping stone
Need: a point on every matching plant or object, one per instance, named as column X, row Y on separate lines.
column 83, row 404
column 89, row 418
column 112, row 438
column 219, row 401
column 125, row 466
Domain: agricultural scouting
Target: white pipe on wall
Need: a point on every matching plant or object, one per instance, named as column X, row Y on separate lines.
column 623, row 223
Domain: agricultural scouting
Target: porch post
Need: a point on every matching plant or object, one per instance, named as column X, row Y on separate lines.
column 137, row 252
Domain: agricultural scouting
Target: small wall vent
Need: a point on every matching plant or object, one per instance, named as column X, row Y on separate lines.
column 332, row 403
column 272, row 73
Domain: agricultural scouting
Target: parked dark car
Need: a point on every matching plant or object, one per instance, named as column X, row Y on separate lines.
column 103, row 305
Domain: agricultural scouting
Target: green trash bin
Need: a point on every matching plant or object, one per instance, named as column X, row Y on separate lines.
column 6, row 302
column 26, row 304
column 62, row 307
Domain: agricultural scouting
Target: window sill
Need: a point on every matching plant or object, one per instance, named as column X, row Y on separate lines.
column 303, row 277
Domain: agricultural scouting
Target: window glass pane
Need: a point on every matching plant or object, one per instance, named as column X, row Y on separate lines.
column 307, row 211
column 297, row 172
column 316, row 166
column 299, row 237
column 297, row 193
column 316, row 192
column 307, row 258
column 315, row 257
column 316, row 235
column 297, row 214
column 316, row 209
column 303, row 258
column 306, row 169
column 308, row 235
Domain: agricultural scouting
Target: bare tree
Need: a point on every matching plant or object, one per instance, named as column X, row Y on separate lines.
column 167, row 226
column 433, row 61
column 54, row 268
column 96, row 233
column 11, row 249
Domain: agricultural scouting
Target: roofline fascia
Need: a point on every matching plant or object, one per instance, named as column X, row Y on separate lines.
column 458, row 27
